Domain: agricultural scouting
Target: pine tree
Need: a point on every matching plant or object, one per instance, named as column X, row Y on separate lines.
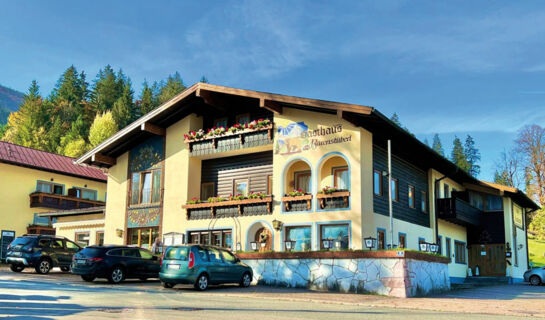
column 457, row 155
column 173, row 86
column 395, row 119
column 147, row 99
column 204, row 79
column 77, row 131
column 426, row 142
column 102, row 128
column 502, row 178
column 437, row 146
column 106, row 91
column 124, row 110
column 473, row 156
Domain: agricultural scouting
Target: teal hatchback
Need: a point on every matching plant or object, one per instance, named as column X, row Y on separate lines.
column 201, row 266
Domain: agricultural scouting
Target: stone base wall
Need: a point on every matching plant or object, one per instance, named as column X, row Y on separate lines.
column 398, row 277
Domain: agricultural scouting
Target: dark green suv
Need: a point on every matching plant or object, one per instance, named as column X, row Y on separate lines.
column 201, row 266
column 43, row 252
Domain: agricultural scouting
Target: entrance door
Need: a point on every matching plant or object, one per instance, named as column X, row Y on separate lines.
column 263, row 233
column 489, row 257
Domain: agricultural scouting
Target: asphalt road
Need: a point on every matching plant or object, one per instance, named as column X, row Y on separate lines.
column 31, row 296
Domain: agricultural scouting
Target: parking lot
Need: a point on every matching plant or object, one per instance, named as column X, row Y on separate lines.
column 58, row 294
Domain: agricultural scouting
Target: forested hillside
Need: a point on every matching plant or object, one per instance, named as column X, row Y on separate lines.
column 77, row 115
column 9, row 101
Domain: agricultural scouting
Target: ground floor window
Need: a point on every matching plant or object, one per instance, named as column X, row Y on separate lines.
column 402, row 240
column 301, row 236
column 339, row 234
column 447, row 249
column 220, row 238
column 99, row 238
column 381, row 239
column 459, row 252
column 142, row 237
column 82, row 238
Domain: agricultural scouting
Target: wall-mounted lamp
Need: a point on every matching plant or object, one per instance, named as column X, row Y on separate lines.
column 119, row 232
column 253, row 244
column 277, row 225
column 370, row 243
column 52, row 179
column 239, row 247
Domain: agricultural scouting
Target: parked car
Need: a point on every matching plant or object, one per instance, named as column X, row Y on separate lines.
column 115, row 263
column 535, row 276
column 201, row 266
column 43, row 252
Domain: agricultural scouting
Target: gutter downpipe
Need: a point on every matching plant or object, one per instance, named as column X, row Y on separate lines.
column 390, row 209
column 436, row 196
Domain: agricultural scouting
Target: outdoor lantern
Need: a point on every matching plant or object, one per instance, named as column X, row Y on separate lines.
column 263, row 244
column 239, row 247
column 370, row 242
column 424, row 246
column 338, row 244
column 326, row 243
column 389, row 246
column 253, row 244
column 289, row 244
column 434, row 247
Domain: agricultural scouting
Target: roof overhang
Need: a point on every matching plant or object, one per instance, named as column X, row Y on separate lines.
column 73, row 212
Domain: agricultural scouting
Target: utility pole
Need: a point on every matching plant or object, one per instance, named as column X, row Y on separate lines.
column 390, row 193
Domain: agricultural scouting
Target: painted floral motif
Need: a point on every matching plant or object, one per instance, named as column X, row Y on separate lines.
column 145, row 217
column 147, row 155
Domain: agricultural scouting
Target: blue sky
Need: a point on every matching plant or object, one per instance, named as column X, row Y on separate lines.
column 451, row 68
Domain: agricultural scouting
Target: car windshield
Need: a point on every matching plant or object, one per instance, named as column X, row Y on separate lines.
column 177, row 253
column 21, row 241
column 91, row 252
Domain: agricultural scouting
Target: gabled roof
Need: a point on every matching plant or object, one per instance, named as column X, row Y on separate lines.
column 517, row 195
column 41, row 160
column 73, row 212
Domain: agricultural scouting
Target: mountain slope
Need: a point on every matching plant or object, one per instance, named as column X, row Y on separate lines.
column 9, row 102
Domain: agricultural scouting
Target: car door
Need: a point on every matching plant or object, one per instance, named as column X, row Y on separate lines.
column 216, row 267
column 150, row 263
column 233, row 270
column 71, row 249
column 132, row 262
column 58, row 252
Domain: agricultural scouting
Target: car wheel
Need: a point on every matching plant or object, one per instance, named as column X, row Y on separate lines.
column 44, row 266
column 16, row 268
column 88, row 278
column 246, row 280
column 117, row 275
column 535, row 280
column 168, row 285
column 202, row 282
column 65, row 269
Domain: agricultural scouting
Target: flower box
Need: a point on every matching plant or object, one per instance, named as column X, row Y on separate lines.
column 290, row 200
column 325, row 197
column 238, row 205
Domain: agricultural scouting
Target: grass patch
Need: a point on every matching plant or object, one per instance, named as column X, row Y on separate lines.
column 537, row 251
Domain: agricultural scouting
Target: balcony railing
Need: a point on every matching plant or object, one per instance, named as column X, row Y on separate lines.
column 60, row 202
column 231, row 141
column 458, row 211
column 297, row 203
column 334, row 200
column 230, row 208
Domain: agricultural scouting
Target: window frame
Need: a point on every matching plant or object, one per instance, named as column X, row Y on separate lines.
column 379, row 180
column 79, row 233
column 286, row 234
column 296, row 174
column 243, row 115
column 383, row 232
column 269, row 184
column 448, row 248
column 404, row 235
column 334, row 171
column 52, row 186
column 411, row 189
column 221, row 119
column 235, row 181
column 80, row 190
column 141, row 174
column 320, row 233
column 446, row 191
column 395, row 196
column 457, row 257
column 423, row 201
column 97, row 242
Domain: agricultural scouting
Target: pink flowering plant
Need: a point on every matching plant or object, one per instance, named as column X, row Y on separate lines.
column 219, row 131
column 328, row 190
column 194, row 200
column 296, row 193
column 256, row 195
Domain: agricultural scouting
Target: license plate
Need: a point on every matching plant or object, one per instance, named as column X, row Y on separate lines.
column 16, row 254
column 174, row 266
column 80, row 261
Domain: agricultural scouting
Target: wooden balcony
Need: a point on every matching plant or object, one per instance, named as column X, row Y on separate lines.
column 458, row 211
column 249, row 138
column 60, row 202
column 230, row 208
column 334, row 200
column 297, row 203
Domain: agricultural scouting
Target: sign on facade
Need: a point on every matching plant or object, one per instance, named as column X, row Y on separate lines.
column 7, row 237
column 518, row 217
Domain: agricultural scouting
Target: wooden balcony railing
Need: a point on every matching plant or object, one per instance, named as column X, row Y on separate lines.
column 230, row 208
column 61, row 202
column 297, row 203
column 334, row 200
column 458, row 211
column 231, row 141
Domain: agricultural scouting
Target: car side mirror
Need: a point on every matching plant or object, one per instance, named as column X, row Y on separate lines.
column 237, row 260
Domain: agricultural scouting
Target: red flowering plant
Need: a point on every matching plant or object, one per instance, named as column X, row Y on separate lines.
column 192, row 135
column 328, row 190
column 263, row 123
column 296, row 193
column 256, row 195
column 238, row 196
column 194, row 200
column 235, row 128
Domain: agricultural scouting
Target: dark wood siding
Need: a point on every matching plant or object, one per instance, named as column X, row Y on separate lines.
column 407, row 174
column 255, row 167
column 255, row 114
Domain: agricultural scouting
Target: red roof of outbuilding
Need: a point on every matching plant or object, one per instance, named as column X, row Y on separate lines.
column 42, row 160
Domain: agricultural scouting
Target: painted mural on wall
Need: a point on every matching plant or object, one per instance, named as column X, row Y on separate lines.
column 297, row 137
column 143, row 217
column 147, row 155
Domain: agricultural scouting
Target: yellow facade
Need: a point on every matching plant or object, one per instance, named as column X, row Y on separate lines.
column 116, row 205
column 18, row 182
column 90, row 224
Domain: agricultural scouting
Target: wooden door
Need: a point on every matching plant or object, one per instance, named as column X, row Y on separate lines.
column 489, row 257
column 268, row 236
